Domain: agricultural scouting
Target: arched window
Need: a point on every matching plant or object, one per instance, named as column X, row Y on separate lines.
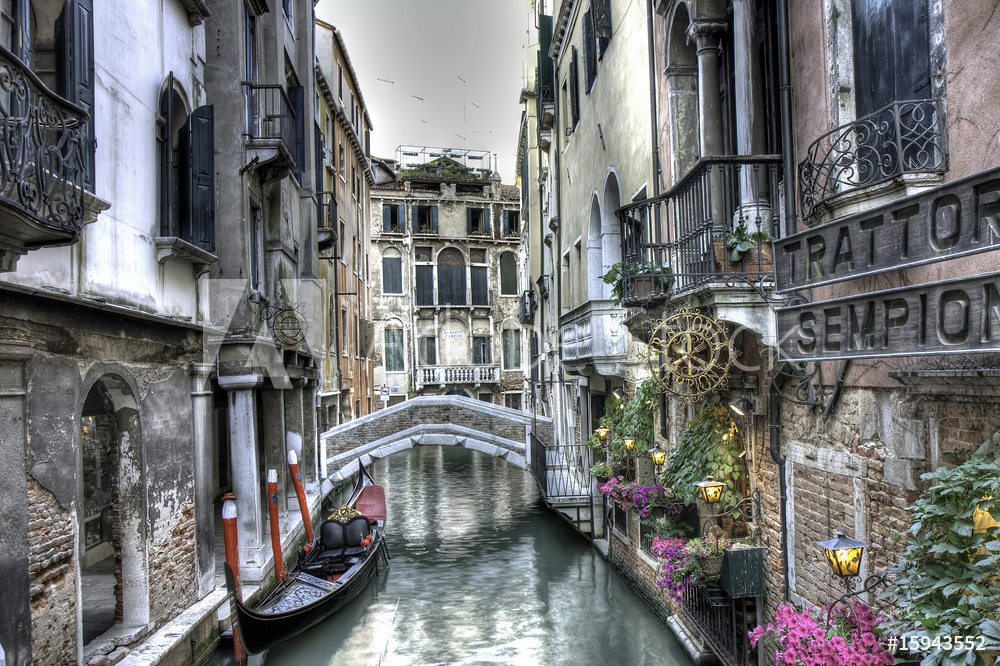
column 187, row 170
column 451, row 278
column 394, row 347
column 480, row 280
column 508, row 274
column 511, row 345
column 392, row 271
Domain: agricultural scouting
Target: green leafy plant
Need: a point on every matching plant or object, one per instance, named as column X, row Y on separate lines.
column 740, row 240
column 625, row 270
column 611, row 420
column 711, row 445
column 637, row 418
column 602, row 470
column 950, row 570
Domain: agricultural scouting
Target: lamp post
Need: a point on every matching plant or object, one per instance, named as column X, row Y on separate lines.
column 602, row 433
column 740, row 407
column 658, row 455
column 628, row 441
column 844, row 555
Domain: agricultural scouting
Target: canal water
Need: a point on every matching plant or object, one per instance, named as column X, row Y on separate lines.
column 482, row 573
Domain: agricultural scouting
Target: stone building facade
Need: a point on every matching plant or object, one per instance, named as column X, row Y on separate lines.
column 344, row 178
column 447, row 242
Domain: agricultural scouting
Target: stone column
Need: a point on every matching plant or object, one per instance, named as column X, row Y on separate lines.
column 705, row 34
column 204, row 476
column 293, row 424
column 755, row 209
column 246, row 473
column 310, row 430
column 15, row 595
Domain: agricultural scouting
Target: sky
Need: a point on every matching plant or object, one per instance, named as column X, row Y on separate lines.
column 438, row 73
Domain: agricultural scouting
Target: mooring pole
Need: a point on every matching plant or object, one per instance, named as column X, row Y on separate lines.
column 300, row 493
column 280, row 572
column 229, row 538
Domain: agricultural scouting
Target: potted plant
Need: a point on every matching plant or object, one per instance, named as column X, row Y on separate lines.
column 601, row 471
column 741, row 240
column 638, row 280
column 709, row 551
column 677, row 566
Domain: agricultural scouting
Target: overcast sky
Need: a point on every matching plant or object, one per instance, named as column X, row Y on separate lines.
column 464, row 58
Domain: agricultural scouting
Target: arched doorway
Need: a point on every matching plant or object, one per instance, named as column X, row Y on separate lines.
column 113, row 569
column 611, row 237
column 451, row 277
column 596, row 265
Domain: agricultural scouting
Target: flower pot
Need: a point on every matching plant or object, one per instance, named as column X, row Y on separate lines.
column 645, row 288
column 759, row 259
column 742, row 572
column 711, row 565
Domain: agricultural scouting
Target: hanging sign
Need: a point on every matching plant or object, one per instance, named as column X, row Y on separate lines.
column 953, row 220
column 949, row 317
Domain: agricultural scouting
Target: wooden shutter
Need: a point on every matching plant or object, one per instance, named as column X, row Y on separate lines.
column 468, row 220
column 386, row 216
column 198, row 179
column 318, row 161
column 487, row 229
column 296, row 96
column 602, row 25
column 544, row 43
column 480, row 285
column 401, row 218
column 75, row 70
column 434, row 219
column 589, row 59
column 168, row 220
column 574, row 90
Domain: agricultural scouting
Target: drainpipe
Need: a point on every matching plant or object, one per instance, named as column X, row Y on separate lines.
column 558, row 258
column 785, row 100
column 774, row 444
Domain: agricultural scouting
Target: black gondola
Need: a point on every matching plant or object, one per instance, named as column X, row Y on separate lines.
column 340, row 563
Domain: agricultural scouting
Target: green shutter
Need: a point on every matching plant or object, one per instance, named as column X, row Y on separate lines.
column 198, row 181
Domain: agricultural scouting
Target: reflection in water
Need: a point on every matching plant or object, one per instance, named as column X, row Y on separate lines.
column 482, row 572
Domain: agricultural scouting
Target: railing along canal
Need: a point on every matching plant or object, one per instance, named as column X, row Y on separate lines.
column 562, row 471
column 723, row 622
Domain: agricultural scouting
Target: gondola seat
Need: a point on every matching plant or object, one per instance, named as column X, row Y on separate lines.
column 355, row 532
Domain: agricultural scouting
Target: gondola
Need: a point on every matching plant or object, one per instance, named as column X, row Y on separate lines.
column 338, row 565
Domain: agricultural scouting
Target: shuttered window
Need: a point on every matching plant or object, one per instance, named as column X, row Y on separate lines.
column 589, row 54
column 394, row 350
column 75, row 69
column 480, row 286
column 197, row 179
column 574, row 90
column 891, row 52
column 393, row 218
column 508, row 274
column 425, row 285
column 602, row 25
column 511, row 349
column 392, row 272
column 481, row 350
column 451, row 278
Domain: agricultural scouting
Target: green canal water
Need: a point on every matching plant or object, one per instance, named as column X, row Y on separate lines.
column 482, row 573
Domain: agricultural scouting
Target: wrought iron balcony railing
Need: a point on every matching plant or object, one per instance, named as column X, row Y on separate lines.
column 270, row 114
column 681, row 240
column 459, row 374
column 903, row 137
column 326, row 219
column 43, row 144
column 723, row 622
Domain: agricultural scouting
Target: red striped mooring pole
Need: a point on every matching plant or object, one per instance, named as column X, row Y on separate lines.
column 300, row 493
column 229, row 537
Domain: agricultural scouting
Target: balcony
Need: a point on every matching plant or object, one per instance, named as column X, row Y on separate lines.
column 687, row 235
column 593, row 339
column 326, row 220
column 901, row 138
column 272, row 129
column 42, row 163
column 444, row 375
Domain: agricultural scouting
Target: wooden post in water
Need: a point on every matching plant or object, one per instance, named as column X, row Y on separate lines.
column 300, row 493
column 229, row 538
column 280, row 572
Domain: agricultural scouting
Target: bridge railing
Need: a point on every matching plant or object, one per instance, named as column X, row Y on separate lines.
column 562, row 471
column 459, row 374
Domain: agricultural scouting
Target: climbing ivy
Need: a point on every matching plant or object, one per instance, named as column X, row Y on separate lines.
column 634, row 417
column 950, row 570
column 711, row 445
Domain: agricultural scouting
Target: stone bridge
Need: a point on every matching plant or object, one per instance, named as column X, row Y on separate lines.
column 521, row 439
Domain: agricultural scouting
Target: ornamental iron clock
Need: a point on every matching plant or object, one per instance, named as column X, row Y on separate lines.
column 689, row 354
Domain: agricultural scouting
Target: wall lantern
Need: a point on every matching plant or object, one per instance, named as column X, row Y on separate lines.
column 711, row 490
column 844, row 555
column 629, row 442
column 602, row 433
column 659, row 455
column 618, row 394
column 982, row 518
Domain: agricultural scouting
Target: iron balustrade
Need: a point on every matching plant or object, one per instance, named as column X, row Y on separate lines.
column 677, row 242
column 723, row 622
column 902, row 137
column 270, row 114
column 562, row 471
column 43, row 149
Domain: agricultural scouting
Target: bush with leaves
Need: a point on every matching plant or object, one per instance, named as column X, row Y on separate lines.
column 711, row 445
column 950, row 571
column 612, row 417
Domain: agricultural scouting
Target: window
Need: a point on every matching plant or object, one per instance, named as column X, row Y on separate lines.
column 394, row 348
column 393, row 218
column 357, row 337
column 481, row 354
column 451, row 278
column 602, row 25
column 485, row 397
column 478, row 220
column 287, row 10
column 392, row 272
column 74, row 64
column 512, row 400
column 480, row 277
column 340, row 81
column 256, row 246
column 426, row 352
column 425, row 219
column 511, row 347
column 343, row 331
column 508, row 274
column 424, row 270
column 343, row 235
column 511, row 223
column 187, row 171
column 891, row 52
column 343, row 164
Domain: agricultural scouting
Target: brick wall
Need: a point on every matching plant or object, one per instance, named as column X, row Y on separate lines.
column 51, row 533
column 640, row 576
column 173, row 585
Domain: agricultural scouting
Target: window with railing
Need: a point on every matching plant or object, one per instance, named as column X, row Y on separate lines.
column 425, row 219
column 451, row 277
